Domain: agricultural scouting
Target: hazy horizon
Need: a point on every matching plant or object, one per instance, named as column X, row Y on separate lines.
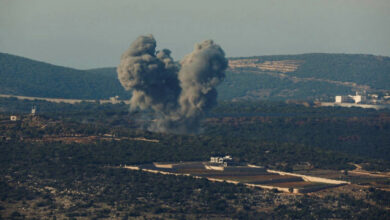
column 91, row 34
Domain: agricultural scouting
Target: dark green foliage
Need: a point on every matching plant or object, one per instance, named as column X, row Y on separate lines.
column 381, row 197
column 244, row 83
column 128, row 194
column 104, row 184
column 370, row 70
column 274, row 134
column 359, row 68
column 21, row 76
column 58, row 109
column 250, row 85
column 355, row 131
column 257, row 132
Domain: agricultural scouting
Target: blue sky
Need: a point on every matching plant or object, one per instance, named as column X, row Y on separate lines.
column 94, row 33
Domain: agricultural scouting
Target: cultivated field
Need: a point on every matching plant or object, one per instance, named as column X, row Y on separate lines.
column 254, row 177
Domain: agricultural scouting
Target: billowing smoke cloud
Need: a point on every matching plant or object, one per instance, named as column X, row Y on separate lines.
column 177, row 94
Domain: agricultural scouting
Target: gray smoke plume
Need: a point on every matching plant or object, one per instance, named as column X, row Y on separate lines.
column 178, row 94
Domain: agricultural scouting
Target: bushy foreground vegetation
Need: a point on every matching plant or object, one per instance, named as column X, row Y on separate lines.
column 43, row 177
column 76, row 181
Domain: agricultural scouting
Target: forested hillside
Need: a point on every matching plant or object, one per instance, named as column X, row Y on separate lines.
column 282, row 77
column 307, row 76
column 370, row 70
column 21, row 76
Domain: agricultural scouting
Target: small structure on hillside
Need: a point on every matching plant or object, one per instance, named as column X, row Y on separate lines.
column 225, row 161
column 358, row 98
column 114, row 100
column 14, row 118
column 222, row 163
column 33, row 110
column 165, row 165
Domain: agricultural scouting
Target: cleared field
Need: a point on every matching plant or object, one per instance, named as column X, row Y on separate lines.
column 199, row 169
column 85, row 139
column 331, row 174
column 299, row 184
column 233, row 174
column 251, row 176
column 355, row 178
column 259, row 179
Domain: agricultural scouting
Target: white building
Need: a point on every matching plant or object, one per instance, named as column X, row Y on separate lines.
column 338, row 99
column 344, row 99
column 358, row 98
column 221, row 160
column 13, row 118
column 33, row 110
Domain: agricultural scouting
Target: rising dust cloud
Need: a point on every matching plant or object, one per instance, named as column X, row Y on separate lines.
column 178, row 95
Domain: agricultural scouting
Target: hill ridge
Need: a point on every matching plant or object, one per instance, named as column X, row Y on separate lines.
column 308, row 76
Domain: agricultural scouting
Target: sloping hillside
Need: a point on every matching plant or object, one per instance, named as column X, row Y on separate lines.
column 22, row 76
column 282, row 77
column 366, row 70
column 307, row 76
column 251, row 84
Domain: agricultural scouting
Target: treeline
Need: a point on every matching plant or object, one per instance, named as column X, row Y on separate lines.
column 354, row 131
column 275, row 155
column 259, row 132
column 16, row 106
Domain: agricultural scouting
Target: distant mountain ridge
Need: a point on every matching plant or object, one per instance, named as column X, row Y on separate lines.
column 359, row 68
column 23, row 76
column 310, row 76
column 279, row 77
